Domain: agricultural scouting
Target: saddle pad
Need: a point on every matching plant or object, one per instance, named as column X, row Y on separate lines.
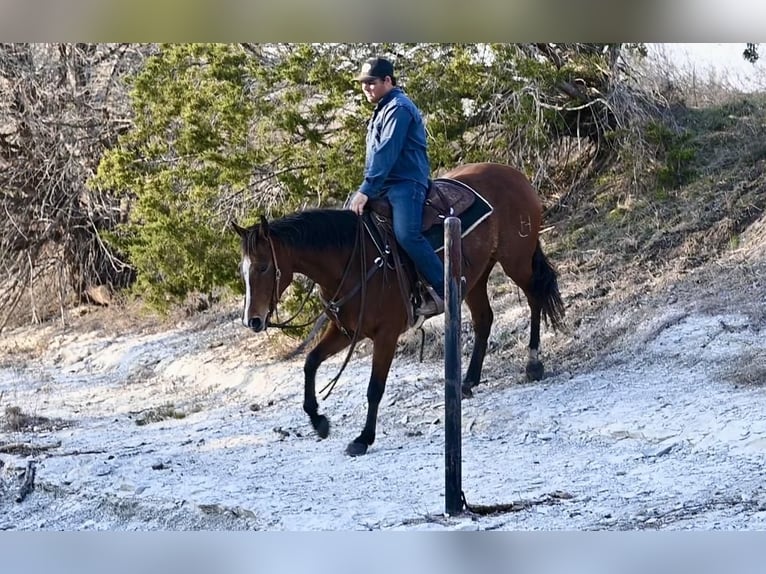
column 469, row 219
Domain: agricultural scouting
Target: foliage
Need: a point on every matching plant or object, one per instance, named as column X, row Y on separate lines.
column 675, row 151
column 188, row 146
column 750, row 53
column 219, row 133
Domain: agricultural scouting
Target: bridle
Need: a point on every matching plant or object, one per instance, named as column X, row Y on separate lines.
column 333, row 305
column 274, row 299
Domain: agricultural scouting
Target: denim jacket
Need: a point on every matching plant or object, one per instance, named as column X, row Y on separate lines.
column 396, row 146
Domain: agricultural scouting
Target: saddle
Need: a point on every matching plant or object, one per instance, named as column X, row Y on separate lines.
column 446, row 197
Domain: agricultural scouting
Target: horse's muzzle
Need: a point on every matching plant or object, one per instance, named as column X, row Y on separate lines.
column 256, row 324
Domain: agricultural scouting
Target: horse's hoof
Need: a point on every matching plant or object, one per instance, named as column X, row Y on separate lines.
column 467, row 392
column 535, row 370
column 356, row 449
column 322, row 426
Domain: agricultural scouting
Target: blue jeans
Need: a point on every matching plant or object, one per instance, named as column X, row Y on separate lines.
column 407, row 206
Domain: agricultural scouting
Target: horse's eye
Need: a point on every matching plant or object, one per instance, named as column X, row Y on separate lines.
column 257, row 267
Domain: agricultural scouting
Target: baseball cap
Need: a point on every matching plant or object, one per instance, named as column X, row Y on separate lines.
column 375, row 68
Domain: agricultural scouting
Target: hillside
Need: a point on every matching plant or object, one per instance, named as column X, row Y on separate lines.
column 650, row 414
column 695, row 244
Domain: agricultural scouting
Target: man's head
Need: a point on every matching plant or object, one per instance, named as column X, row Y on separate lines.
column 377, row 78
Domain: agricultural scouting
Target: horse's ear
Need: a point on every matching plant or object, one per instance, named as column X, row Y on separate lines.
column 264, row 226
column 240, row 230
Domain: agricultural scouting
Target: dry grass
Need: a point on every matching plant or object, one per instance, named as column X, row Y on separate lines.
column 747, row 370
column 164, row 412
column 16, row 420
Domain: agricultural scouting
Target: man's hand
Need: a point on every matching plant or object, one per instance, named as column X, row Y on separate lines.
column 358, row 202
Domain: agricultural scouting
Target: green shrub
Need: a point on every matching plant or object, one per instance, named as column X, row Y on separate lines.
column 677, row 153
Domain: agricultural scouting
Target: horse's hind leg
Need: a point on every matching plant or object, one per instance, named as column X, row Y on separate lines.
column 481, row 318
column 333, row 341
column 544, row 301
column 534, row 368
column 382, row 356
column 523, row 275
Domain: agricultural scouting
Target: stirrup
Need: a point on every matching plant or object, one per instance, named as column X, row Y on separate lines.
column 433, row 306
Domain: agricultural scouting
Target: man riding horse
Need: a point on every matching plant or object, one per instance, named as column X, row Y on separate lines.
column 397, row 168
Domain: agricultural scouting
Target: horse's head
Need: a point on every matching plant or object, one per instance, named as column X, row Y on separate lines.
column 261, row 273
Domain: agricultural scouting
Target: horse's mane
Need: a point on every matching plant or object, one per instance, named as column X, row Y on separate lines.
column 316, row 229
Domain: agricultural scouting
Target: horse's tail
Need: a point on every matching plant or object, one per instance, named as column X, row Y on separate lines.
column 545, row 289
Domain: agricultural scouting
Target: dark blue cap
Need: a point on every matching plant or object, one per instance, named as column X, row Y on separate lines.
column 375, row 68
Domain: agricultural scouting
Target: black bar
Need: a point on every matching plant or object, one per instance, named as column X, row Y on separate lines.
column 453, row 503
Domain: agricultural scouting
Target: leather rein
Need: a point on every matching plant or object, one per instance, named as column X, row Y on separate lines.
column 333, row 306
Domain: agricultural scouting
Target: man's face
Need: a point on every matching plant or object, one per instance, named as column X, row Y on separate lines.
column 375, row 89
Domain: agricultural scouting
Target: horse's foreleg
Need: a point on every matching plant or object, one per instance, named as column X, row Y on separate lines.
column 481, row 318
column 382, row 356
column 333, row 340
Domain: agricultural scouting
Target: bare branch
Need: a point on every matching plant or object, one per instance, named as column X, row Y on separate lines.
column 61, row 105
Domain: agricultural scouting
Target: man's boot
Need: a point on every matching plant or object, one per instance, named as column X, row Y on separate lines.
column 434, row 305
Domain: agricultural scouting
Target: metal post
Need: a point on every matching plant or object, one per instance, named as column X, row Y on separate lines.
column 452, row 393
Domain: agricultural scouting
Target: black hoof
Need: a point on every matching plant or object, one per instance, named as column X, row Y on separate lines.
column 321, row 426
column 534, row 370
column 356, row 449
column 467, row 392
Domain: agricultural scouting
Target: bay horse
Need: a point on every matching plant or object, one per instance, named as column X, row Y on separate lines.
column 324, row 245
